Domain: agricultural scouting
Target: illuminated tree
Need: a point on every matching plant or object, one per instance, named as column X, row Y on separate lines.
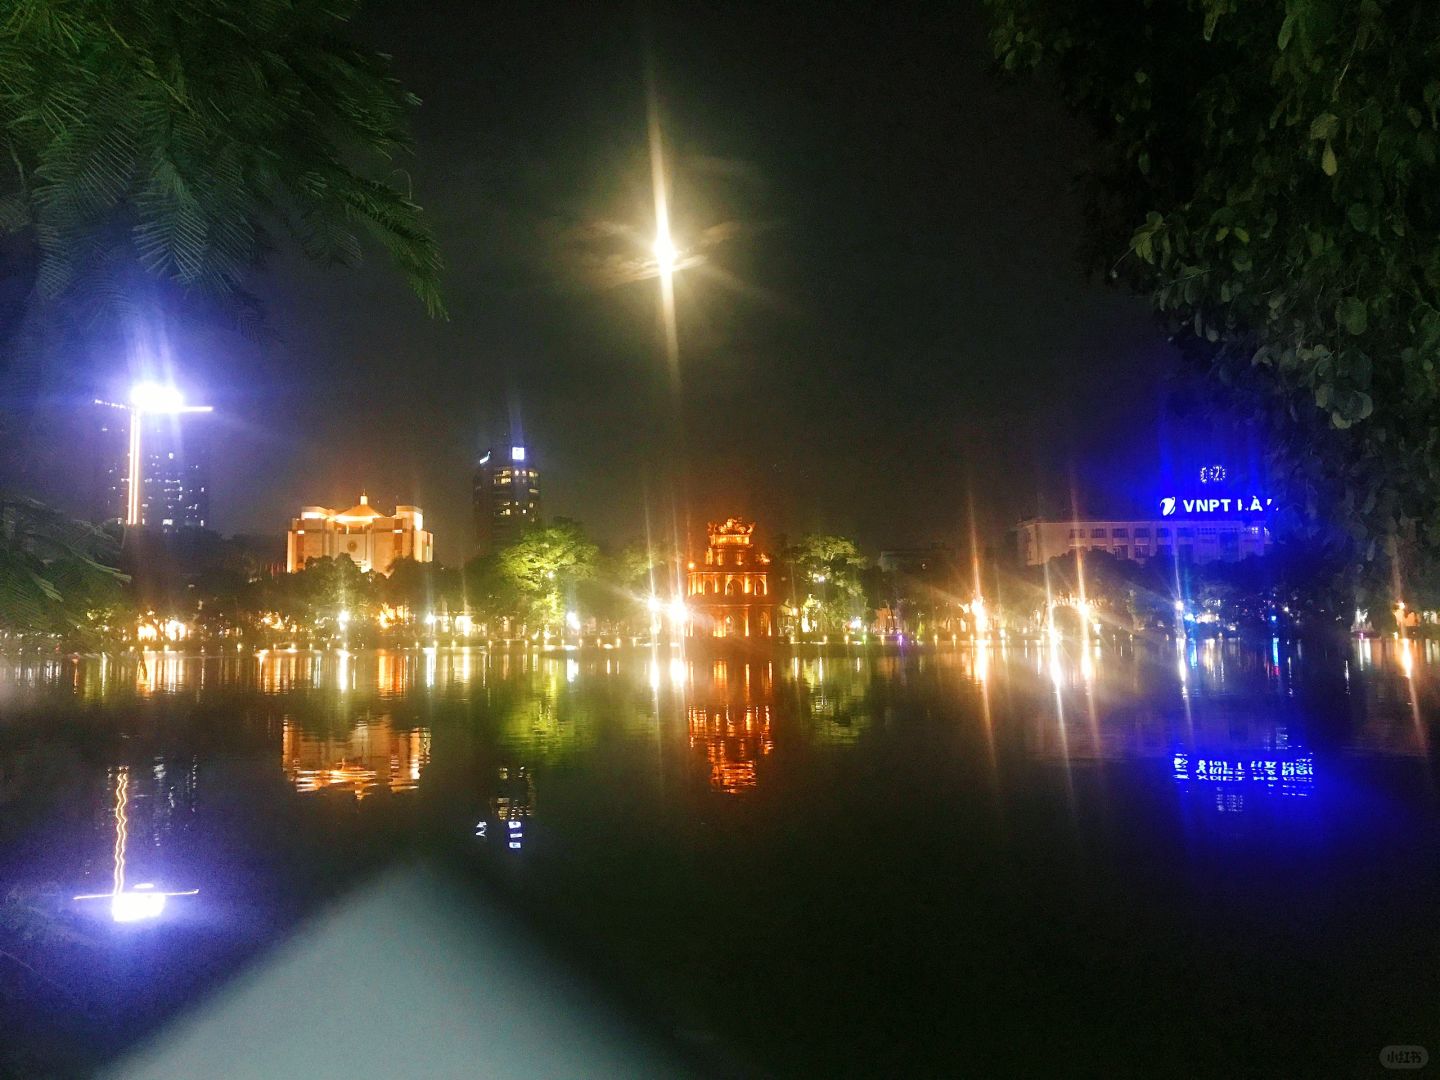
column 422, row 587
column 825, row 574
column 544, row 567
column 1265, row 172
column 623, row 583
column 327, row 586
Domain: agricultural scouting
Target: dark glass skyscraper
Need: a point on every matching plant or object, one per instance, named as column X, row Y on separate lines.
column 506, row 496
column 174, row 471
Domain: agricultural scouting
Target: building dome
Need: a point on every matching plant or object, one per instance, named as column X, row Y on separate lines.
column 362, row 511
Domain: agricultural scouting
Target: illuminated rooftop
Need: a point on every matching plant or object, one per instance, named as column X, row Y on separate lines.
column 731, row 531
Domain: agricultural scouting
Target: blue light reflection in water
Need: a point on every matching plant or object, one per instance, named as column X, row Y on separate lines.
column 1283, row 775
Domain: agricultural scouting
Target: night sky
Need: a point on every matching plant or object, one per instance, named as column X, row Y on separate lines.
column 886, row 315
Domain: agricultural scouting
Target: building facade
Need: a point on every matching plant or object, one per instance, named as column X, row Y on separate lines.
column 506, row 497
column 1198, row 540
column 728, row 590
column 174, row 473
column 934, row 563
column 372, row 539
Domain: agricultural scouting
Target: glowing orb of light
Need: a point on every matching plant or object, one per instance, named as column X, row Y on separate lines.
column 137, row 904
column 153, row 397
column 666, row 253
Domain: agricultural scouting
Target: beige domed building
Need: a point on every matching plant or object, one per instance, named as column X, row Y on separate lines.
column 374, row 540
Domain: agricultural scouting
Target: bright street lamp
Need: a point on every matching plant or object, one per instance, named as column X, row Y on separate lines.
column 147, row 399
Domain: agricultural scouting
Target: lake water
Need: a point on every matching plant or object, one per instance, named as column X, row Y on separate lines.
column 1135, row 860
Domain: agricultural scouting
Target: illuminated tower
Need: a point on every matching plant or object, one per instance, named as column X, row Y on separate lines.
column 729, row 593
column 506, row 496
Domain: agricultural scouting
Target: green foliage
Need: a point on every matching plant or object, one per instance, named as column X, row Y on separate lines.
column 325, row 587
column 488, row 592
column 54, row 577
column 1266, row 173
column 187, row 139
column 827, row 569
column 421, row 587
column 544, row 566
column 623, row 581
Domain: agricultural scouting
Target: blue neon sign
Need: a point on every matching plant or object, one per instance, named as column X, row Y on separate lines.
column 1171, row 506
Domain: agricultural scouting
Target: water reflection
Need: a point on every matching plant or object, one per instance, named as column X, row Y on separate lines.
column 372, row 755
column 830, row 695
column 728, row 723
column 137, row 901
column 166, row 672
column 510, row 808
column 1036, row 762
column 1290, row 775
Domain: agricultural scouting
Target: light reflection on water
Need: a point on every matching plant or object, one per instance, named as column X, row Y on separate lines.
column 373, row 753
column 524, row 756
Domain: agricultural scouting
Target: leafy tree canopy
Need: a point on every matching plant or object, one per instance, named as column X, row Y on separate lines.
column 544, row 566
column 828, row 569
column 327, row 586
column 422, row 587
column 185, row 140
column 52, row 574
column 1266, row 173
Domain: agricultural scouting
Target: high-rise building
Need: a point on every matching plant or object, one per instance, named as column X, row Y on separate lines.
column 174, row 472
column 372, row 539
column 506, row 496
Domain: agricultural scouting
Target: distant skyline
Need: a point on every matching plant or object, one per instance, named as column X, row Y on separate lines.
column 886, row 321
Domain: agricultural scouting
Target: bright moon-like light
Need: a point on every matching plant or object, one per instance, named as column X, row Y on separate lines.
column 156, row 397
column 666, row 253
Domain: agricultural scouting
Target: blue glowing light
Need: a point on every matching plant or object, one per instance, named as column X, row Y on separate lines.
column 1292, row 775
column 1226, row 506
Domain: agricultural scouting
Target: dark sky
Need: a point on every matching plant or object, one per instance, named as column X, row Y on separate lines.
column 886, row 314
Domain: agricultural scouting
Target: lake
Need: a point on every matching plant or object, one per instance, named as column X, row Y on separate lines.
column 1207, row 858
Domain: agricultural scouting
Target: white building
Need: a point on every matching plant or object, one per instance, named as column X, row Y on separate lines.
column 1192, row 540
column 372, row 539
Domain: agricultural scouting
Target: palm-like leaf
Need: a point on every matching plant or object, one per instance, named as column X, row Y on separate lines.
column 183, row 137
